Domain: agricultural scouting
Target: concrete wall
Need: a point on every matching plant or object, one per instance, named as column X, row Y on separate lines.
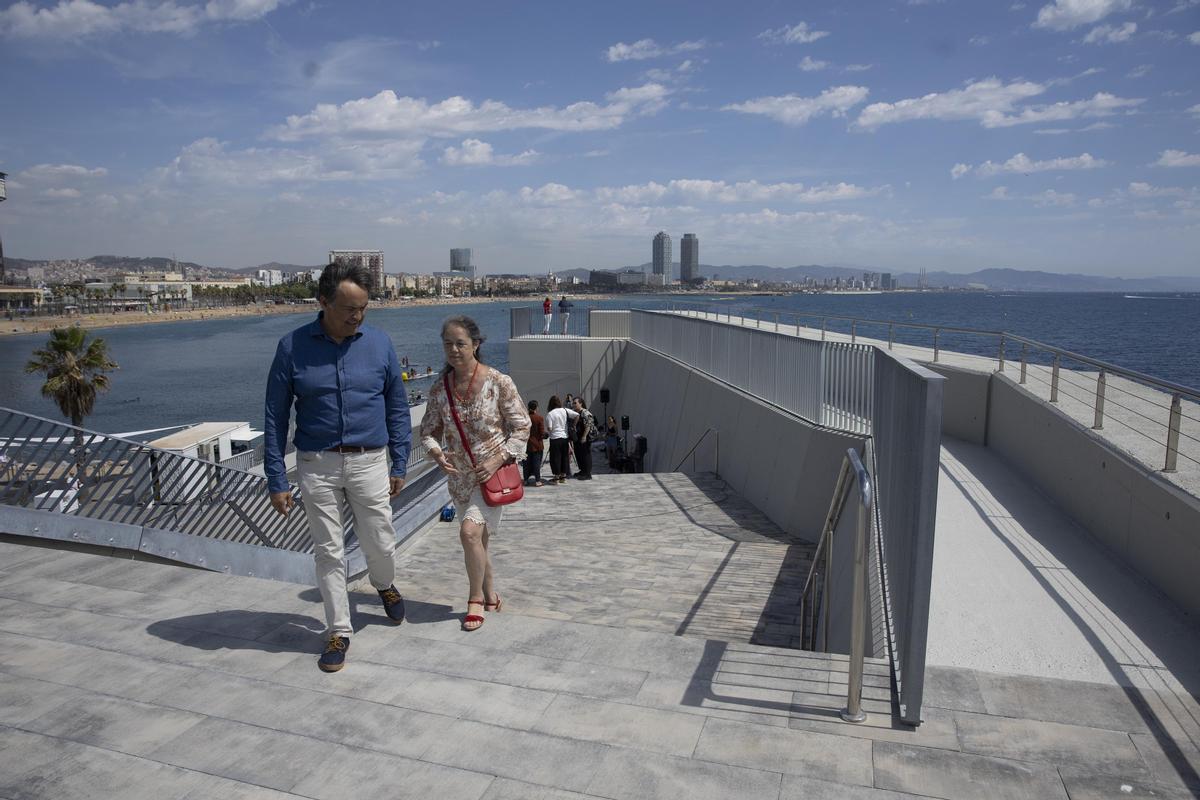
column 782, row 465
column 542, row 367
column 1151, row 524
column 964, row 402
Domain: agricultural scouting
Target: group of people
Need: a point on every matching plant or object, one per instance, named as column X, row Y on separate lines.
column 568, row 427
column 353, row 436
column 564, row 313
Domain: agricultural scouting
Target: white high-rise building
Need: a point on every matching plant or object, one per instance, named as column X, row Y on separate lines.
column 662, row 261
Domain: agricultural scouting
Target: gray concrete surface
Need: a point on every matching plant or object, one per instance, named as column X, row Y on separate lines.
column 124, row 679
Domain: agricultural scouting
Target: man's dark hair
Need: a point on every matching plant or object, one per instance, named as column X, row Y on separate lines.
column 533, row 405
column 333, row 275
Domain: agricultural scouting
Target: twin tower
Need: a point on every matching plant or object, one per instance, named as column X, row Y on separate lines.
column 689, row 259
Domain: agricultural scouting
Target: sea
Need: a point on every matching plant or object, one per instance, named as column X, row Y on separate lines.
column 214, row 370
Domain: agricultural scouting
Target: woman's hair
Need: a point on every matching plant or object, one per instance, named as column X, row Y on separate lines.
column 533, row 405
column 472, row 328
column 581, row 402
column 554, row 403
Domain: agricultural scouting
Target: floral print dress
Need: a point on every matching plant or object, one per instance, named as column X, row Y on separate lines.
column 494, row 418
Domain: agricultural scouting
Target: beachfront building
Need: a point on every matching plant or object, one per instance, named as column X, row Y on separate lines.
column 138, row 289
column 270, row 277
column 689, row 258
column 21, row 297
column 371, row 259
column 661, row 260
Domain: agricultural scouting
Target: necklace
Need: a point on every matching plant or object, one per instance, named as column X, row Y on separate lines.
column 462, row 398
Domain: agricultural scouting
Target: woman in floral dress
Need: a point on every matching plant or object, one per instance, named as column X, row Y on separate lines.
column 496, row 424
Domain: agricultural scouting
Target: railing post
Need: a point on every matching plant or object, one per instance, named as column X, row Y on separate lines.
column 853, row 331
column 937, row 332
column 822, row 329
column 1024, row 360
column 1173, row 433
column 858, row 623
column 1002, row 352
column 777, row 322
column 891, row 335
column 1101, row 383
column 1054, row 379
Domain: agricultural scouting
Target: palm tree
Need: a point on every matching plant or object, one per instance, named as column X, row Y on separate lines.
column 75, row 371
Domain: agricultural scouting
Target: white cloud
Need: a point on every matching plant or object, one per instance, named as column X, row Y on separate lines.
column 1140, row 71
column 799, row 33
column 1194, row 38
column 793, row 110
column 1177, row 158
column 1062, row 15
column 47, row 172
column 1051, row 198
column 1195, row 110
column 999, row 193
column 549, row 194
column 696, row 190
column 63, row 193
column 809, row 64
column 74, row 19
column 858, row 67
column 387, row 113
column 958, row 170
column 993, row 104
column 1141, row 189
column 1053, row 131
column 211, row 162
column 1021, row 163
column 1110, row 34
column 648, row 48
column 474, row 152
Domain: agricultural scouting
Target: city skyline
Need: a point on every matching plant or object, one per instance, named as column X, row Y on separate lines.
column 1057, row 136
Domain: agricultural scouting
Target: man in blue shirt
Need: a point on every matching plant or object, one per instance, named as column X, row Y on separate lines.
column 351, row 416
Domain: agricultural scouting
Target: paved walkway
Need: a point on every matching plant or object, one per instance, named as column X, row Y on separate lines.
column 123, row 679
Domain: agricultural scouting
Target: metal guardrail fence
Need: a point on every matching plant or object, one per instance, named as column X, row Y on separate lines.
column 530, row 321
column 826, row 383
column 51, row 466
column 1167, row 415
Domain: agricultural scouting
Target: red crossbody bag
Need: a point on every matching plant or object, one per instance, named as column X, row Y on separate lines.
column 505, row 486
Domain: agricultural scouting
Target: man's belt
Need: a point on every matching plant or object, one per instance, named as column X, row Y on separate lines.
column 351, row 448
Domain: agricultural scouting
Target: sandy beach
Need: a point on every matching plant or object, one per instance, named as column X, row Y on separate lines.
column 18, row 325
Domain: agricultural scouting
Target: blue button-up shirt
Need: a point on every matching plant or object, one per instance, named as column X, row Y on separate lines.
column 346, row 394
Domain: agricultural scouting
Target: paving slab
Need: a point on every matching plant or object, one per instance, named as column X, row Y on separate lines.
column 649, row 729
column 950, row 775
column 347, row 772
column 817, row 755
column 125, row 726
column 1110, row 752
column 634, row 775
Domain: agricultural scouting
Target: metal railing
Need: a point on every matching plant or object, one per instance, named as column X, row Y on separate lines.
column 51, row 466
column 716, row 452
column 530, row 321
column 1167, row 416
column 816, row 598
column 826, row 383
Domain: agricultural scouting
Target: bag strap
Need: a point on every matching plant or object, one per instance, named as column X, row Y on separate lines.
column 454, row 413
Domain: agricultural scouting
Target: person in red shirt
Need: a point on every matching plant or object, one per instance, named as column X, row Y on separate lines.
column 546, row 309
column 535, row 448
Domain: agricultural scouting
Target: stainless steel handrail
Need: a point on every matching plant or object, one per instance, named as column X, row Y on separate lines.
column 717, row 466
column 852, row 473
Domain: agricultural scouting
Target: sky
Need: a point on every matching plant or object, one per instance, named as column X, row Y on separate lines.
column 955, row 135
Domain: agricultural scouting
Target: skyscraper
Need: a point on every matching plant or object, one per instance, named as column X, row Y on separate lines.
column 460, row 261
column 689, row 258
column 662, row 259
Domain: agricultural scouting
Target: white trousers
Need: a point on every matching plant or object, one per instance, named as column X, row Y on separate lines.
column 566, row 315
column 331, row 484
column 546, row 328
